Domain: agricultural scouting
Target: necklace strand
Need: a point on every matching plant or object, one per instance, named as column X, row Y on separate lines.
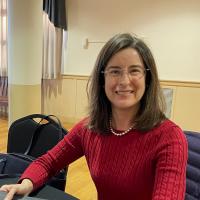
column 122, row 133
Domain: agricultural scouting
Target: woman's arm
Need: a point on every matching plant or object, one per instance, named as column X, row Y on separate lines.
column 44, row 167
column 171, row 161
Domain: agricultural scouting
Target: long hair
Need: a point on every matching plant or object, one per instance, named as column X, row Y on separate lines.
column 151, row 111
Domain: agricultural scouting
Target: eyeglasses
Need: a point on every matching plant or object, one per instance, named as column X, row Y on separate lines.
column 134, row 73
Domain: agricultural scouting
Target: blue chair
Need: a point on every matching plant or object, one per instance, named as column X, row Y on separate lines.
column 193, row 166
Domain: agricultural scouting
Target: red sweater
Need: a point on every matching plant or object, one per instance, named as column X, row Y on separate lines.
column 136, row 166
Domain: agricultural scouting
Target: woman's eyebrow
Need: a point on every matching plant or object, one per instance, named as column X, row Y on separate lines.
column 134, row 66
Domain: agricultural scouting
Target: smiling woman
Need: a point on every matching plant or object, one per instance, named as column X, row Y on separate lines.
column 126, row 53
column 132, row 150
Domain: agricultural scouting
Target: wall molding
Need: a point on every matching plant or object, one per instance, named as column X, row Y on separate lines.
column 192, row 84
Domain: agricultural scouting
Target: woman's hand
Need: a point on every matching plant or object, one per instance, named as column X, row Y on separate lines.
column 24, row 188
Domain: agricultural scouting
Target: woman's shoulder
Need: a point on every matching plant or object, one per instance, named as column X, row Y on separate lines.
column 170, row 130
column 166, row 125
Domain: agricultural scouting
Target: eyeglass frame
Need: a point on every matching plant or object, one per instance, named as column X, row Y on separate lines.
column 122, row 72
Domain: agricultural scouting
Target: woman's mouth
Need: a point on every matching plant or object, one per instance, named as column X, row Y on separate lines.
column 124, row 92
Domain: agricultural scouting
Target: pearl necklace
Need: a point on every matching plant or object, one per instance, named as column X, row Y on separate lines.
column 122, row 133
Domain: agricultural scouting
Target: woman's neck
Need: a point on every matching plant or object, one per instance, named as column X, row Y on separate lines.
column 122, row 120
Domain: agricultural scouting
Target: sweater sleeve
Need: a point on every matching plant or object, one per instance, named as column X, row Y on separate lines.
column 65, row 152
column 171, row 161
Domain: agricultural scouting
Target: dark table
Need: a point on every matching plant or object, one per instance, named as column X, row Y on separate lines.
column 46, row 192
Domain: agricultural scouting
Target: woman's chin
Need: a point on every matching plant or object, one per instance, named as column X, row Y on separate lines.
column 125, row 105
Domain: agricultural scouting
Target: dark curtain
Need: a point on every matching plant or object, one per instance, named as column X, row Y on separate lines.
column 56, row 12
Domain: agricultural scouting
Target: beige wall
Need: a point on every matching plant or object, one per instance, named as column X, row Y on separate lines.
column 24, row 100
column 25, row 42
column 171, row 28
column 71, row 104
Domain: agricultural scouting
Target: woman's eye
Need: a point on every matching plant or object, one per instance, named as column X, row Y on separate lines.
column 135, row 71
column 115, row 72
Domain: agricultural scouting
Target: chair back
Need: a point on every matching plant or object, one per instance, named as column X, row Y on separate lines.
column 34, row 135
column 193, row 166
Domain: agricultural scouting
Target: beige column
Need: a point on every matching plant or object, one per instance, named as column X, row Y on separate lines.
column 24, row 57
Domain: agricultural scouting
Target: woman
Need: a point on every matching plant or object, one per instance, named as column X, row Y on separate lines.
column 133, row 151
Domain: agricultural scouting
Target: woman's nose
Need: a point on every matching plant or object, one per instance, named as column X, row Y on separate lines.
column 124, row 78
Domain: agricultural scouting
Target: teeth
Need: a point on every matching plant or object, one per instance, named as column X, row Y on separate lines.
column 124, row 92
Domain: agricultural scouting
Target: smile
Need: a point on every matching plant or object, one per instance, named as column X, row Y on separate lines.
column 124, row 92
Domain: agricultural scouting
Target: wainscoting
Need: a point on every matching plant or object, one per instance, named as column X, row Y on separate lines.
column 185, row 109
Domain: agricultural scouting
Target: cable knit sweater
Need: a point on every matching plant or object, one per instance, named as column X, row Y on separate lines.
column 136, row 166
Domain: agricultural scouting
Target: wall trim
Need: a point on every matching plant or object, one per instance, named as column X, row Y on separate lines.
column 192, row 84
column 78, row 77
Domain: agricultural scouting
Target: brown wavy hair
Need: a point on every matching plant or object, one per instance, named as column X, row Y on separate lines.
column 152, row 106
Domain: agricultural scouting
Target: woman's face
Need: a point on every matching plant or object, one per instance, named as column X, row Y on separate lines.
column 125, row 80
